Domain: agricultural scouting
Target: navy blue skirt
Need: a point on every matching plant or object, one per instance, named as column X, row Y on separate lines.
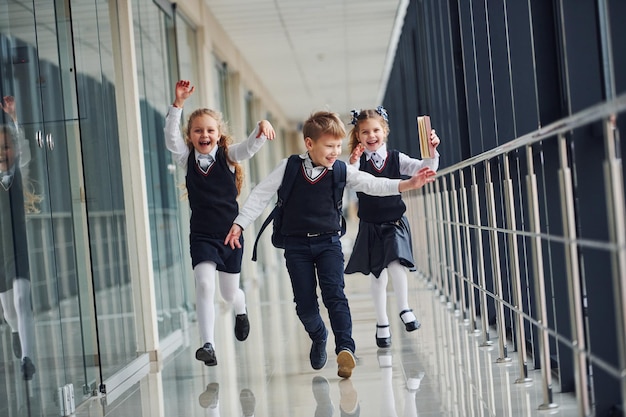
column 205, row 248
column 377, row 245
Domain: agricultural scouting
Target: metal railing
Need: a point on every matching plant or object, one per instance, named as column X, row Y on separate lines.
column 480, row 238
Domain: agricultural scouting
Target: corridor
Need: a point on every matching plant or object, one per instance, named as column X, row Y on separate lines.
column 438, row 370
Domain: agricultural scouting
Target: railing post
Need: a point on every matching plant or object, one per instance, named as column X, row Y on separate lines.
column 444, row 287
column 432, row 235
column 457, row 249
column 573, row 279
column 480, row 266
column 449, row 248
column 617, row 231
column 515, row 273
column 469, row 267
column 540, row 289
column 495, row 265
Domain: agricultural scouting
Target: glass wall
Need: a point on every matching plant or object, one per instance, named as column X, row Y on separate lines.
column 154, row 38
column 95, row 78
column 63, row 252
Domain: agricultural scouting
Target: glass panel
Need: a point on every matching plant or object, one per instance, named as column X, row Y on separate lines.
column 220, row 78
column 153, row 30
column 95, row 77
column 50, row 264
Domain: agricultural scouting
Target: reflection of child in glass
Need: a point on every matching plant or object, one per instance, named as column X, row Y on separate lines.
column 14, row 279
column 214, row 178
column 384, row 238
column 311, row 225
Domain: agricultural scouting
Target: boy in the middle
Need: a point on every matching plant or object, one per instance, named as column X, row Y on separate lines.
column 311, row 225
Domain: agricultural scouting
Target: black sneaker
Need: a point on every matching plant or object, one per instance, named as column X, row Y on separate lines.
column 17, row 345
column 206, row 354
column 318, row 355
column 242, row 327
column 28, row 368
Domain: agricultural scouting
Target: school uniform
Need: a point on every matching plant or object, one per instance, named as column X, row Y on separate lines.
column 311, row 225
column 384, row 233
column 212, row 193
column 13, row 244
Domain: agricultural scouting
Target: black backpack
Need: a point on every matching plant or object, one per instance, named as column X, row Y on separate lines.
column 291, row 171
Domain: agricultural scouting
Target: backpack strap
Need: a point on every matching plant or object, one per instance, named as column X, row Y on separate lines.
column 339, row 183
column 289, row 177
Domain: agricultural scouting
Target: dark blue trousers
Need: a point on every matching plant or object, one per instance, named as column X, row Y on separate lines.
column 319, row 259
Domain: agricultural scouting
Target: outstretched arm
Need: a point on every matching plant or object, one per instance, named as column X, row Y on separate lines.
column 422, row 177
column 246, row 150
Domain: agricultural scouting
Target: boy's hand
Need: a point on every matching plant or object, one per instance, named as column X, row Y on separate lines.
column 266, row 128
column 232, row 238
column 434, row 139
column 356, row 153
column 183, row 92
column 421, row 178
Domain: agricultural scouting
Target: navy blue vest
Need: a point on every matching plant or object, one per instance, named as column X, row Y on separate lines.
column 212, row 196
column 13, row 244
column 310, row 207
column 373, row 209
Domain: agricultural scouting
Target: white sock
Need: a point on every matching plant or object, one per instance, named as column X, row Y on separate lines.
column 204, row 274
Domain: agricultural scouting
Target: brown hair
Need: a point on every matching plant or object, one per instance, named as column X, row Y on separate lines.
column 356, row 120
column 323, row 123
column 224, row 142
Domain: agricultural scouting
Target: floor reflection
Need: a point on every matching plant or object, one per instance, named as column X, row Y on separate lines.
column 439, row 370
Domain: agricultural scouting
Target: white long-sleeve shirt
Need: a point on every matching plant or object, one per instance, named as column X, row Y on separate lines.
column 357, row 180
column 176, row 144
column 408, row 166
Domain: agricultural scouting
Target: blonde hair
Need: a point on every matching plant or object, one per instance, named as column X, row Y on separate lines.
column 323, row 123
column 356, row 120
column 224, row 142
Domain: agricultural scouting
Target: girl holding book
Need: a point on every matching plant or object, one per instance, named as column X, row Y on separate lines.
column 383, row 244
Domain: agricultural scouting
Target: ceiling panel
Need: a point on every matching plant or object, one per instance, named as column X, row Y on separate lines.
column 312, row 55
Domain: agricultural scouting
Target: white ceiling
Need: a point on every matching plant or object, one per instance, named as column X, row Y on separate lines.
column 316, row 54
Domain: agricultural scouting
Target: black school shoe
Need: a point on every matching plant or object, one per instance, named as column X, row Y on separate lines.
column 318, row 355
column 206, row 354
column 410, row 325
column 382, row 342
column 242, row 327
column 28, row 368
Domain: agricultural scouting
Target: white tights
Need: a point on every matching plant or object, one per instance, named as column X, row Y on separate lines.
column 204, row 274
column 378, row 288
column 18, row 313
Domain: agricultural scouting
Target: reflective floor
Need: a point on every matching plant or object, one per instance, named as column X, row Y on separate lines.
column 438, row 370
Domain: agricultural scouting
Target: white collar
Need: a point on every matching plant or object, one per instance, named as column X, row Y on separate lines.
column 382, row 152
column 212, row 153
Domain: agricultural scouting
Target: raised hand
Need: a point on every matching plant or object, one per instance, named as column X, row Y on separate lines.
column 356, row 153
column 434, row 139
column 266, row 128
column 183, row 91
column 8, row 105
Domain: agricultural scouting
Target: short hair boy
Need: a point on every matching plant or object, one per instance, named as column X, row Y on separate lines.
column 311, row 225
